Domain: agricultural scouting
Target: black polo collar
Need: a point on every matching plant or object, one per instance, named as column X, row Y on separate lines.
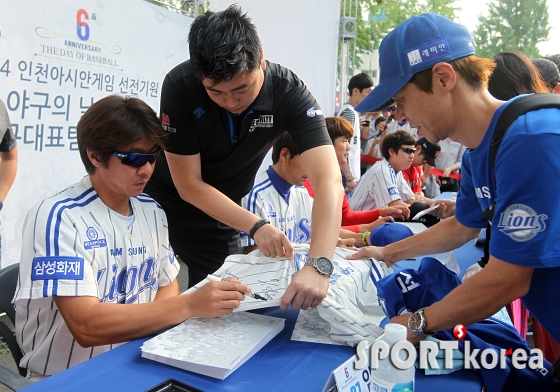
column 264, row 101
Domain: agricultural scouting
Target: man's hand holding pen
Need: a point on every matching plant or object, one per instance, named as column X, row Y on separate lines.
column 214, row 278
column 217, row 298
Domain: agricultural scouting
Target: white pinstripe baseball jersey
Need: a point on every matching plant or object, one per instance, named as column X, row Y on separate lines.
column 287, row 207
column 394, row 126
column 347, row 112
column 74, row 245
column 378, row 187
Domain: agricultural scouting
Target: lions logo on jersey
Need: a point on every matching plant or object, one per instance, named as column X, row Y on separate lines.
column 521, row 223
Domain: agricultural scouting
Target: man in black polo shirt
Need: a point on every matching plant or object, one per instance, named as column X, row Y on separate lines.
column 224, row 108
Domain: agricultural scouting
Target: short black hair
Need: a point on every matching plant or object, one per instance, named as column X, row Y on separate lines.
column 285, row 141
column 549, row 72
column 555, row 58
column 224, row 44
column 114, row 122
column 359, row 81
column 379, row 119
column 394, row 141
column 514, row 75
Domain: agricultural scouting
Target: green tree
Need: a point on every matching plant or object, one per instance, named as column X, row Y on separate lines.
column 182, row 6
column 512, row 25
column 388, row 14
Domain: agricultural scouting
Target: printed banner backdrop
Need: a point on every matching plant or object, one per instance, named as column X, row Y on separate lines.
column 301, row 35
column 57, row 57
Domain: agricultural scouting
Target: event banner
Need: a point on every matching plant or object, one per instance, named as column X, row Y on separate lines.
column 57, row 57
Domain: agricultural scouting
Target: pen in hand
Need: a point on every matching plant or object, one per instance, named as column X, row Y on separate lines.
column 213, row 278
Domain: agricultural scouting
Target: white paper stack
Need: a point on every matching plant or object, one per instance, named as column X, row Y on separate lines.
column 215, row 347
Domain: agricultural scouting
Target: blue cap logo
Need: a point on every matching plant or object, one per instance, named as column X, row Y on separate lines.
column 413, row 46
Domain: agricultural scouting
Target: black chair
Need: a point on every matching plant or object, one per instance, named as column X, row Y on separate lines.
column 8, row 282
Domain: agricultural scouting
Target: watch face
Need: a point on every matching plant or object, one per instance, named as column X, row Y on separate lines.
column 415, row 322
column 324, row 266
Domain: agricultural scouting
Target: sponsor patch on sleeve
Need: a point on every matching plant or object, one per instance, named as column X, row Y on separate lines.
column 393, row 190
column 57, row 267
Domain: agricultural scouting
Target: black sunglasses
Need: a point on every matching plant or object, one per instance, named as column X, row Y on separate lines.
column 408, row 150
column 137, row 159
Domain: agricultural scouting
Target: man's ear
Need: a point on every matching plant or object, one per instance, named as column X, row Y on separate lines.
column 285, row 155
column 443, row 76
column 93, row 158
column 263, row 63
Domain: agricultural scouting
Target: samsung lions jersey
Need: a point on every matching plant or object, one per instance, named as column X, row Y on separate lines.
column 74, row 245
column 378, row 187
column 287, row 207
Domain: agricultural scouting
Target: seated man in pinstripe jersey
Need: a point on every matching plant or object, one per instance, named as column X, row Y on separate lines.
column 96, row 267
column 383, row 184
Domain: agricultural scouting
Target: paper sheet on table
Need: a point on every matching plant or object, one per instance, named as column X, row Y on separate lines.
column 268, row 277
column 310, row 327
column 425, row 212
column 415, row 227
column 450, row 261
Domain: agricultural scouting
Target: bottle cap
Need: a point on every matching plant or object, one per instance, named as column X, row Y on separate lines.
column 395, row 332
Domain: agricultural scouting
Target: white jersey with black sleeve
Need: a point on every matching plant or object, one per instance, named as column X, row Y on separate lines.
column 74, row 245
column 287, row 207
column 378, row 187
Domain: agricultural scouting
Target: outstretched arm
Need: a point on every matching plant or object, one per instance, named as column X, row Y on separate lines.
column 447, row 235
column 187, row 177
column 94, row 323
column 308, row 287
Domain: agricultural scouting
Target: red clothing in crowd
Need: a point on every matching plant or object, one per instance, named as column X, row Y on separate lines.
column 412, row 177
column 350, row 219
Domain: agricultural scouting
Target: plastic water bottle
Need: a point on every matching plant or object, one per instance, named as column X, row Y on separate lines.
column 387, row 377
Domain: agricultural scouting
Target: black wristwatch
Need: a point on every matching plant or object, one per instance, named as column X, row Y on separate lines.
column 322, row 264
column 417, row 323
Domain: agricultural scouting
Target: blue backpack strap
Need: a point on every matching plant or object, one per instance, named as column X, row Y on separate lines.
column 515, row 109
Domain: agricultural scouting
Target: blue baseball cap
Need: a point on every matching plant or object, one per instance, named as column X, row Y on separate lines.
column 415, row 45
column 389, row 233
column 428, row 284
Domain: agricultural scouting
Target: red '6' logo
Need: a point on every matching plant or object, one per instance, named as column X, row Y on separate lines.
column 82, row 27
